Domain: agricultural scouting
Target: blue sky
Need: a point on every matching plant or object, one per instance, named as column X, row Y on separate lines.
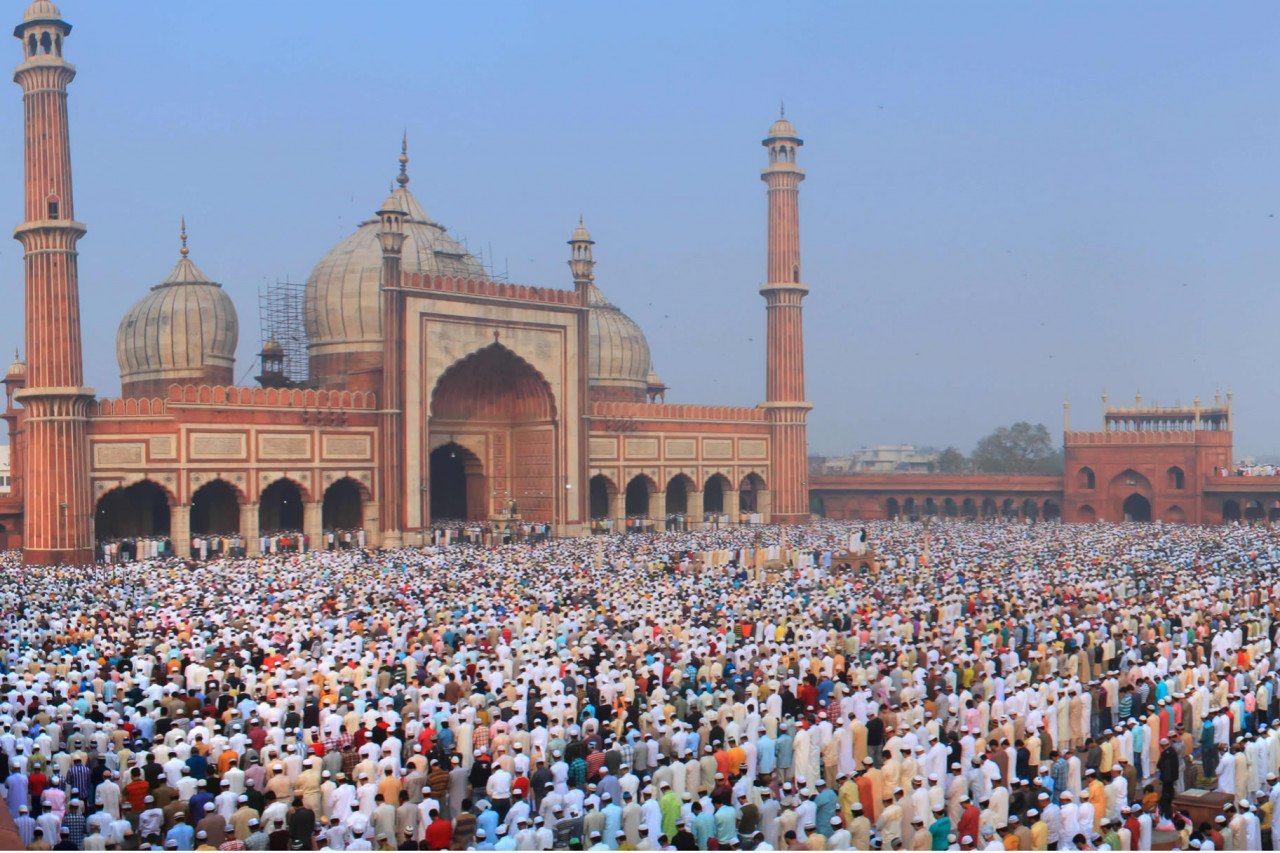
column 1007, row 204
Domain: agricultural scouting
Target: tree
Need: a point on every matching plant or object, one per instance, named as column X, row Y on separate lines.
column 1019, row 449
column 952, row 461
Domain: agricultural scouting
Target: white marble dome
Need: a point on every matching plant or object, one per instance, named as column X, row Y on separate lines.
column 341, row 306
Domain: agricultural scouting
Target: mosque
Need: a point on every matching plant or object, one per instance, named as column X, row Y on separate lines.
column 434, row 390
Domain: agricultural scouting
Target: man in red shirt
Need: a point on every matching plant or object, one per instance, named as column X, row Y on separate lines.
column 439, row 832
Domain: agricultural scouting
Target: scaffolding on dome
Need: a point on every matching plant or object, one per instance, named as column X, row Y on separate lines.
column 280, row 318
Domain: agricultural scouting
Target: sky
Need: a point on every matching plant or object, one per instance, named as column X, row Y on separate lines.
column 1007, row 204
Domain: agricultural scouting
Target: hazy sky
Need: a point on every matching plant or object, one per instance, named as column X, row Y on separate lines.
column 1006, row 203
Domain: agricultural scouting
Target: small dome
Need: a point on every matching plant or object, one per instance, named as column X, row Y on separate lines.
column 41, row 10
column 18, row 368
column 272, row 347
column 618, row 361
column 184, row 330
column 783, row 129
column 581, row 234
column 341, row 304
column 654, row 380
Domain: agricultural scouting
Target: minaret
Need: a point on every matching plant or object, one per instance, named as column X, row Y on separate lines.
column 786, row 407
column 391, row 405
column 58, row 506
column 581, row 264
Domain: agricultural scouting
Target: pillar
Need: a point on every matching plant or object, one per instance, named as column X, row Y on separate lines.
column 373, row 524
column 312, row 526
column 618, row 510
column 392, row 449
column 180, row 529
column 693, row 509
column 249, row 528
column 764, row 505
column 731, row 504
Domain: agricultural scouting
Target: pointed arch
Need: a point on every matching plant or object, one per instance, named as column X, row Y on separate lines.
column 215, row 508
column 713, row 492
column 639, row 498
column 343, row 506
column 1088, row 514
column 603, row 492
column 677, row 494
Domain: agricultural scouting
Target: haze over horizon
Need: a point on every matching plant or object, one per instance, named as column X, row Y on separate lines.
column 1005, row 205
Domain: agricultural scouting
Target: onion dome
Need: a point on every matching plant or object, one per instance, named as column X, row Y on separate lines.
column 41, row 10
column 618, row 360
column 184, row 330
column 341, row 307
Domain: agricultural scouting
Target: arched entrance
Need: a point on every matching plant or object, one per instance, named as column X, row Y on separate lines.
column 133, row 512
column 639, row 492
column 1230, row 511
column 1087, row 514
column 343, row 507
column 1175, row 514
column 891, row 510
column 498, row 403
column 1136, row 508
column 602, row 492
column 713, row 492
column 457, row 485
column 678, row 495
column 1009, row 509
column 1051, row 511
column 280, row 508
column 1253, row 511
column 989, row 508
column 1030, row 510
column 969, row 509
column 949, row 509
column 749, row 494
column 215, row 508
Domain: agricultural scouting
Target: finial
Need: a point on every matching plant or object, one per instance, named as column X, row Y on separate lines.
column 184, row 250
column 580, row 221
column 782, row 109
column 403, row 177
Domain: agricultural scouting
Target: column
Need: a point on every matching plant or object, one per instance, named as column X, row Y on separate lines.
column 249, row 528
column 180, row 529
column 618, row 510
column 693, row 510
column 731, row 504
column 373, row 524
column 312, row 518
column 764, row 505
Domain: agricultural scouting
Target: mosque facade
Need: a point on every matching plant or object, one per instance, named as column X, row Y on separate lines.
column 434, row 391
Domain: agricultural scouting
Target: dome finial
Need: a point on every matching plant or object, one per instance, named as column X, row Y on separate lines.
column 184, row 250
column 782, row 108
column 403, row 177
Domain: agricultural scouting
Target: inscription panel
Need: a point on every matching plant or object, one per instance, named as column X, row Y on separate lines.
column 107, row 454
column 347, row 447
column 717, row 448
column 642, row 448
column 681, row 448
column 218, row 445
column 753, row 448
column 164, row 447
column 284, row 446
column 604, row 448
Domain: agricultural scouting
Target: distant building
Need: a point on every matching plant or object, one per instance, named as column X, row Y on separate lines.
column 884, row 459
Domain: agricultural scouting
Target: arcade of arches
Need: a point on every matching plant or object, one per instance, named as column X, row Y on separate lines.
column 643, row 498
column 145, row 509
column 974, row 507
column 499, row 416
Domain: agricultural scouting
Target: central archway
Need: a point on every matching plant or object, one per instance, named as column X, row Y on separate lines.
column 215, row 508
column 280, row 508
column 500, row 405
column 1136, row 508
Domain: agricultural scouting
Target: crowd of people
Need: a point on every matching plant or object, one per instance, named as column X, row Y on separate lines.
column 127, row 549
column 971, row 686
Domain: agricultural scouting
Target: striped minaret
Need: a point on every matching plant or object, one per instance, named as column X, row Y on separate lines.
column 391, row 235
column 58, row 506
column 786, row 407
